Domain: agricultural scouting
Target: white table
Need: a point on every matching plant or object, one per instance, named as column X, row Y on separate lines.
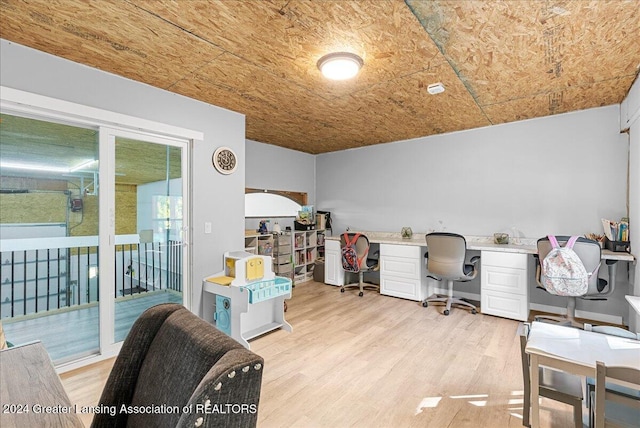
column 574, row 351
column 634, row 301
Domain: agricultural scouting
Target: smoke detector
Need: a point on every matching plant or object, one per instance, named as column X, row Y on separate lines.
column 435, row 88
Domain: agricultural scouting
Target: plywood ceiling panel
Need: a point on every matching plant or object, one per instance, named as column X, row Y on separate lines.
column 500, row 61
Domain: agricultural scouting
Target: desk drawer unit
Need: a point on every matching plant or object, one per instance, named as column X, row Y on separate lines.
column 333, row 273
column 504, row 289
column 402, row 271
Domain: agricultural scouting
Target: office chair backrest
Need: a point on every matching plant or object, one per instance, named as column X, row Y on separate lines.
column 362, row 246
column 588, row 250
column 447, row 253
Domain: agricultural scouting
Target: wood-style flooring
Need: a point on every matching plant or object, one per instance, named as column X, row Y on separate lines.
column 378, row 361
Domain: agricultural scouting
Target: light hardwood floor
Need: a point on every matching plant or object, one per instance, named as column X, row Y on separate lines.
column 378, row 361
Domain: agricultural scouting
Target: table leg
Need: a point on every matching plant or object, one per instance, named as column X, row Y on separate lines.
column 535, row 391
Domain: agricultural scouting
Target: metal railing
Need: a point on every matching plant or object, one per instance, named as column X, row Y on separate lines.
column 40, row 275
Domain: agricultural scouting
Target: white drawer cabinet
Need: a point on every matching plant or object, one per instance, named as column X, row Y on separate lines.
column 333, row 273
column 402, row 272
column 504, row 289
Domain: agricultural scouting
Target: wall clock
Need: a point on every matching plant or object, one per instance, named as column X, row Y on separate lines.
column 224, row 160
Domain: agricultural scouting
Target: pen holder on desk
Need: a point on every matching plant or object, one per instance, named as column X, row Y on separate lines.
column 616, row 246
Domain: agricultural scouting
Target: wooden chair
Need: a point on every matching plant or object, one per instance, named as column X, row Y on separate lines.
column 563, row 387
column 616, row 408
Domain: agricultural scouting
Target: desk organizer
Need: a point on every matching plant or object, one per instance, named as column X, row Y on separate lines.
column 616, row 246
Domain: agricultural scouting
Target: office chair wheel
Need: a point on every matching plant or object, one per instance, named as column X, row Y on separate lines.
column 473, row 311
column 425, row 304
column 446, row 312
column 342, row 290
column 361, row 294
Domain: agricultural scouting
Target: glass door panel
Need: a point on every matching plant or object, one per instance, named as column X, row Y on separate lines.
column 49, row 235
column 149, row 216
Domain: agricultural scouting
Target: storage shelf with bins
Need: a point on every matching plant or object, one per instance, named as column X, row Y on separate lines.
column 305, row 254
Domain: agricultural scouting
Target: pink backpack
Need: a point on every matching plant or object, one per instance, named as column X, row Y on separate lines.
column 350, row 260
column 563, row 273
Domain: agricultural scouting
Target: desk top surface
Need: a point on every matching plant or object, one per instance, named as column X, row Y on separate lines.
column 478, row 243
column 634, row 301
column 32, row 390
column 582, row 347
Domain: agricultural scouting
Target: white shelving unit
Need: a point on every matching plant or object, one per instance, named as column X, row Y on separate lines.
column 251, row 241
column 305, row 253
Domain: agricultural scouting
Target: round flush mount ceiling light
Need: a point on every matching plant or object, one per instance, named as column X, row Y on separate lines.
column 340, row 65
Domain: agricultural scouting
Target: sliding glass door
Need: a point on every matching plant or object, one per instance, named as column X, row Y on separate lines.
column 146, row 223
column 49, row 235
column 92, row 231
column 148, row 227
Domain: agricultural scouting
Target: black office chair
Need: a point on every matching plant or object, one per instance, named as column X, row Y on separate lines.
column 445, row 256
column 366, row 264
column 589, row 252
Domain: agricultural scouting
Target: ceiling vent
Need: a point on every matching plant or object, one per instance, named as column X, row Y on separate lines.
column 435, row 88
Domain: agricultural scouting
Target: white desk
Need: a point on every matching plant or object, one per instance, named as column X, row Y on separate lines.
column 574, row 351
column 402, row 269
column 634, row 301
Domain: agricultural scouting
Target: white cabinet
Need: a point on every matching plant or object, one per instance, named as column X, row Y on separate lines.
column 402, row 272
column 333, row 273
column 251, row 241
column 504, row 288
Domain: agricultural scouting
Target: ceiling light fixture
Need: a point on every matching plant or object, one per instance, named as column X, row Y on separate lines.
column 435, row 88
column 340, row 65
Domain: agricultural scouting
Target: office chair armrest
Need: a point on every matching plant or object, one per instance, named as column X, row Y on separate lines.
column 474, row 260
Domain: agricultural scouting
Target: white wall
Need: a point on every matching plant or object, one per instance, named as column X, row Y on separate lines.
column 630, row 119
column 276, row 168
column 216, row 198
column 559, row 174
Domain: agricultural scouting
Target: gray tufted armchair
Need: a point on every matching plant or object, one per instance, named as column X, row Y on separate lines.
column 177, row 370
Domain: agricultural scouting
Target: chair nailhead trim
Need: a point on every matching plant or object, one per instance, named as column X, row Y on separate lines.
column 232, row 374
column 218, row 386
column 199, row 421
column 245, row 369
column 257, row 366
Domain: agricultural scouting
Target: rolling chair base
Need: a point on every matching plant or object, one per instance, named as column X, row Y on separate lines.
column 362, row 286
column 448, row 301
column 568, row 322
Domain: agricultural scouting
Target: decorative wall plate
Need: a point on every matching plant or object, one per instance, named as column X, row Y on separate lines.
column 224, row 160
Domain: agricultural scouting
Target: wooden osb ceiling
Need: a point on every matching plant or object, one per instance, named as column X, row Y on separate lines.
column 500, row 61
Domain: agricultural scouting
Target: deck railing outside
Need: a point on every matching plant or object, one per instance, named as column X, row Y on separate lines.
column 46, row 274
